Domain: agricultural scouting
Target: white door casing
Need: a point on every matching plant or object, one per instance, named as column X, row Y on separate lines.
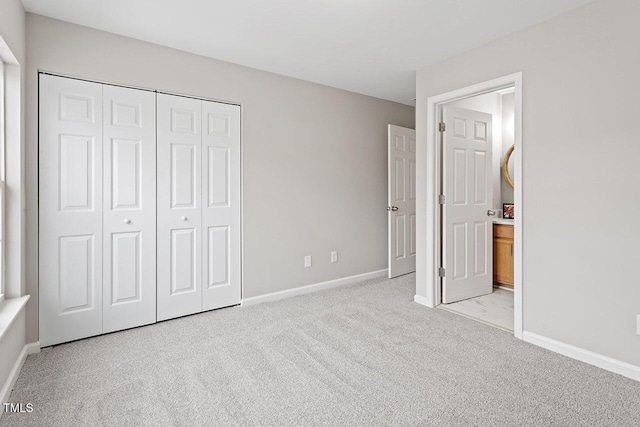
column 220, row 205
column 129, row 219
column 401, row 200
column 467, row 252
column 70, row 209
column 179, row 151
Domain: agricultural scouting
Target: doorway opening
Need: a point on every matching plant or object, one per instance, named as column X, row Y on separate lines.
column 459, row 264
column 476, row 140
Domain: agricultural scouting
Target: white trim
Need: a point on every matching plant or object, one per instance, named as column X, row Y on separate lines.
column 3, row 214
column 10, row 308
column 428, row 262
column 3, row 166
column 613, row 365
column 274, row 296
column 127, row 86
column 242, row 276
column 421, row 300
column 517, row 201
column 28, row 349
column 14, row 217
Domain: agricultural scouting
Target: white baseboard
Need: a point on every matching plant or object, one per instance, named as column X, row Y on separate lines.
column 421, row 300
column 31, row 348
column 274, row 296
column 617, row 366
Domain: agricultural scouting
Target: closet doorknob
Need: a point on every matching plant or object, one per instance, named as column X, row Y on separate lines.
column 127, row 221
column 184, row 218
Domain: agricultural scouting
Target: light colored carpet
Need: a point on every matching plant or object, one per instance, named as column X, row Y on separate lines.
column 358, row 355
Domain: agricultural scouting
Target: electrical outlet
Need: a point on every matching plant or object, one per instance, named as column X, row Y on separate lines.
column 307, row 261
column 334, row 256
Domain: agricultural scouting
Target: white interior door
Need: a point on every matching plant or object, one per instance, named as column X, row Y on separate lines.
column 70, row 201
column 402, row 200
column 179, row 290
column 129, row 220
column 468, row 230
column 221, row 204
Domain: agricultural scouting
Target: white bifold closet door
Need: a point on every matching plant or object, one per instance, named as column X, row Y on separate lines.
column 96, row 209
column 70, row 186
column 198, row 205
column 221, row 205
column 179, row 206
column 129, row 211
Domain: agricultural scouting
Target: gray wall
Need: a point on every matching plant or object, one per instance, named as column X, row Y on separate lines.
column 315, row 158
column 12, row 27
column 581, row 147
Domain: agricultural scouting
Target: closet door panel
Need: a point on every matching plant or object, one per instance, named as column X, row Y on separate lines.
column 129, row 229
column 221, row 204
column 70, row 209
column 179, row 206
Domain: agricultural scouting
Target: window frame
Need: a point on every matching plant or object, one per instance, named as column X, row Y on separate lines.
column 3, row 217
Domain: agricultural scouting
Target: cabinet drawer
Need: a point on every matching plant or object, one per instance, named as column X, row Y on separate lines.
column 502, row 230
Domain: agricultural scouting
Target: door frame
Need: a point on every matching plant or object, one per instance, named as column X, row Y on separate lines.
column 429, row 281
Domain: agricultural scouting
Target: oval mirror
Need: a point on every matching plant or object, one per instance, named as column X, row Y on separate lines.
column 505, row 165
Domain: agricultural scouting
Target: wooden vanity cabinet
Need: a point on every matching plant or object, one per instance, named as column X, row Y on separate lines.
column 503, row 254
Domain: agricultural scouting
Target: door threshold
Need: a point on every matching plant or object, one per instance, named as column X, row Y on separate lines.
column 502, row 328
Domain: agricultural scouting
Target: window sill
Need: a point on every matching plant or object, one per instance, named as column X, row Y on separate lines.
column 9, row 310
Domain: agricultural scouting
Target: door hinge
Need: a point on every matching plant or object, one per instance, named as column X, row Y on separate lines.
column 441, row 199
column 442, row 127
column 441, row 272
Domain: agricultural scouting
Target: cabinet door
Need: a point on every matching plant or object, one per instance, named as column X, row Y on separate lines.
column 221, row 204
column 179, row 291
column 503, row 261
column 70, row 209
column 129, row 237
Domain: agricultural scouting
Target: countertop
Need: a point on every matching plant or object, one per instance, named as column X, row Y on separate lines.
column 504, row 221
